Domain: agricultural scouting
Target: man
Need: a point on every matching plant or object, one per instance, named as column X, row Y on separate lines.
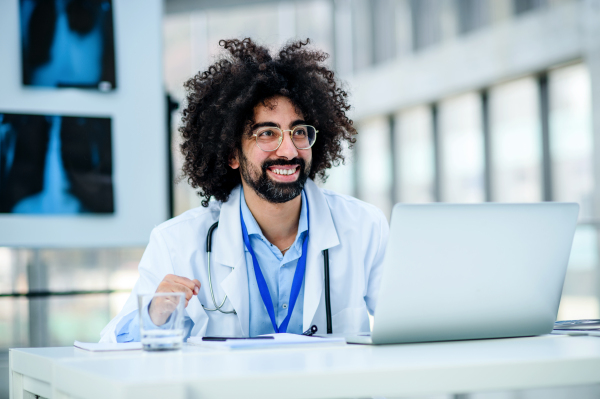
column 256, row 131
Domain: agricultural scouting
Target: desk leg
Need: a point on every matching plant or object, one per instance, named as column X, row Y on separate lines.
column 16, row 385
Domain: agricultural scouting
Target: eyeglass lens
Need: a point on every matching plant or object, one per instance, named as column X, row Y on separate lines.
column 268, row 138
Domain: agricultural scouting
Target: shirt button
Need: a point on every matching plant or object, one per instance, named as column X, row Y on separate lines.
column 284, row 306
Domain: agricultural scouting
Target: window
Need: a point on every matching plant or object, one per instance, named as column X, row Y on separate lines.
column 516, row 147
column 58, row 320
column 472, row 14
column 414, row 155
column 341, row 179
column 374, row 161
column 461, row 149
column 571, row 153
column 426, row 23
column 571, row 141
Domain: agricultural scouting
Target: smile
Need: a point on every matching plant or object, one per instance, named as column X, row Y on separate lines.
column 286, row 171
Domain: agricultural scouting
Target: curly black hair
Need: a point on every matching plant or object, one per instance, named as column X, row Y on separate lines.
column 220, row 108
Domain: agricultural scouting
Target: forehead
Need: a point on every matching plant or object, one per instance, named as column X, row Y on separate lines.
column 277, row 109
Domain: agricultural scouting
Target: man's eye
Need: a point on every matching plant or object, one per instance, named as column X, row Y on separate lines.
column 266, row 133
column 300, row 132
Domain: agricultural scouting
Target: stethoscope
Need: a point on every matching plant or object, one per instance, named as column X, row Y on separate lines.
column 218, row 307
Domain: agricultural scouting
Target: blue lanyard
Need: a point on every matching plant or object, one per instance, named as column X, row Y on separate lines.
column 262, row 284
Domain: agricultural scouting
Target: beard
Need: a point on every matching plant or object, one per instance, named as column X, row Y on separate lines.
column 267, row 188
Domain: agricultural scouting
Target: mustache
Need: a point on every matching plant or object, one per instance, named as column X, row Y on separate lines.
column 274, row 162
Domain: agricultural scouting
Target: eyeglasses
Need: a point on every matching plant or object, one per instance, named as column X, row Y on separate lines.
column 270, row 138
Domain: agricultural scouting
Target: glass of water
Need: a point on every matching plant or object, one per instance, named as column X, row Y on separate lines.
column 161, row 320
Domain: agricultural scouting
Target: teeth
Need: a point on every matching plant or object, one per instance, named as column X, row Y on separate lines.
column 284, row 171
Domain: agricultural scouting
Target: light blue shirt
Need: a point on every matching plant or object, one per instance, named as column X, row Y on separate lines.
column 278, row 270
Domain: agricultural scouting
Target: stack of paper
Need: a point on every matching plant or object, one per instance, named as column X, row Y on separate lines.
column 280, row 340
column 577, row 327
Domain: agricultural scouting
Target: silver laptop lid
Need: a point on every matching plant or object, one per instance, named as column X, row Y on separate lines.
column 458, row 271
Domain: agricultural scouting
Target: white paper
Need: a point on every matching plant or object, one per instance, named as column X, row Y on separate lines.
column 593, row 333
column 280, row 340
column 105, row 347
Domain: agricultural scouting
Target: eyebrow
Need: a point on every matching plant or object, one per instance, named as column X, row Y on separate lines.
column 273, row 124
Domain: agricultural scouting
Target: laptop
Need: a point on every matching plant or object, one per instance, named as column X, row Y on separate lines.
column 472, row 271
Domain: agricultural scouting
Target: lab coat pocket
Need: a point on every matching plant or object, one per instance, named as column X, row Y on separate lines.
column 351, row 320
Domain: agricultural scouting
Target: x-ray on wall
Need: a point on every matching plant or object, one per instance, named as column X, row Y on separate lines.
column 93, row 160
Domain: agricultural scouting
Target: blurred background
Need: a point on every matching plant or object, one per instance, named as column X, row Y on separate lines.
column 454, row 101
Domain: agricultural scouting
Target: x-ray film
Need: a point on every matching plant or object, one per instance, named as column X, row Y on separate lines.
column 68, row 43
column 53, row 164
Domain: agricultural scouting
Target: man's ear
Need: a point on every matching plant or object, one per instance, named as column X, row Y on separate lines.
column 233, row 160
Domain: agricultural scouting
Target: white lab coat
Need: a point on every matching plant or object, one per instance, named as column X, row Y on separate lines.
column 354, row 232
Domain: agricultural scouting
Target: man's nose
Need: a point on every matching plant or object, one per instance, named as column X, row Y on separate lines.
column 287, row 149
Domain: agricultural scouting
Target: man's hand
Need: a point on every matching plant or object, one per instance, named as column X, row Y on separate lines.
column 162, row 307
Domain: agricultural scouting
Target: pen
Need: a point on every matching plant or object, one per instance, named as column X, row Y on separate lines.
column 226, row 338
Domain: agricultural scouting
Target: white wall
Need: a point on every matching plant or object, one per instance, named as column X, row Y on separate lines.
column 139, row 144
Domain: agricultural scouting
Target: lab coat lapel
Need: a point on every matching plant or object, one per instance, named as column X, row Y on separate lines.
column 228, row 251
column 322, row 235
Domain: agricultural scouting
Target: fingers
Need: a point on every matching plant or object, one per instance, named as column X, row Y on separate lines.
column 165, row 305
column 193, row 285
column 174, row 287
column 173, row 283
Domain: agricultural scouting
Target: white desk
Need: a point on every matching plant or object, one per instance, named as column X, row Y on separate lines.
column 333, row 372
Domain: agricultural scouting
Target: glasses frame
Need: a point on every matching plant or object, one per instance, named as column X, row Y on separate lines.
column 255, row 135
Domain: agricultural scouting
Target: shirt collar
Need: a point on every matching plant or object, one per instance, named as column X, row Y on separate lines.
column 252, row 225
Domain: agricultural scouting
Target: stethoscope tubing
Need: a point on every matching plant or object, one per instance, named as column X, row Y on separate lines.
column 327, row 290
column 212, row 292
